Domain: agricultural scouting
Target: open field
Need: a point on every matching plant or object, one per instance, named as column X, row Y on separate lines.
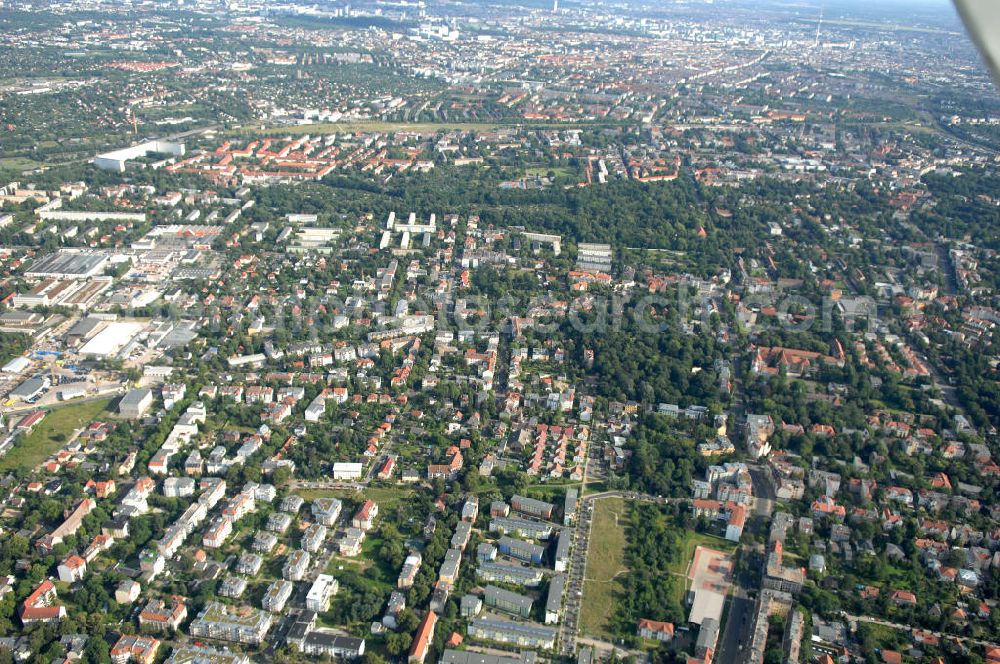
column 51, row 434
column 17, row 163
column 880, row 26
column 553, row 493
column 605, row 562
column 386, row 497
column 543, row 171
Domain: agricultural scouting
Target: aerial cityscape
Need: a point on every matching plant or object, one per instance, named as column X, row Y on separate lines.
column 498, row 332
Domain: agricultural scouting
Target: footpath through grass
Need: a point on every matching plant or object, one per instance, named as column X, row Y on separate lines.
column 386, row 497
column 51, row 434
column 605, row 564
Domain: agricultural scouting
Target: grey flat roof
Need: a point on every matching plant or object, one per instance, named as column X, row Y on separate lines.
column 83, row 327
column 468, row 657
column 563, row 544
column 511, row 542
column 554, row 599
column 510, row 627
column 28, row 388
column 67, row 263
column 709, row 633
column 510, row 570
column 135, row 397
column 495, row 593
column 20, row 317
column 534, row 502
column 335, row 641
column 526, row 525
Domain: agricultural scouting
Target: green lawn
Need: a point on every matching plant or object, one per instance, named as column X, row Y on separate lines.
column 51, row 434
column 880, row 26
column 552, row 493
column 18, row 163
column 368, row 560
column 386, row 497
column 605, row 562
column 543, row 171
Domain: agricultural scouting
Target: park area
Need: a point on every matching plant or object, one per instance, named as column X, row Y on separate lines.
column 605, row 565
column 677, row 560
column 388, row 498
column 51, row 434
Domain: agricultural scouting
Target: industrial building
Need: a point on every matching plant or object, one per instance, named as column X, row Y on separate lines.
column 30, row 389
column 16, row 366
column 135, row 403
column 67, row 264
column 116, row 160
column 112, row 339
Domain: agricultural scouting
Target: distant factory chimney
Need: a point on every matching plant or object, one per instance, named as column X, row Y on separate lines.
column 819, row 26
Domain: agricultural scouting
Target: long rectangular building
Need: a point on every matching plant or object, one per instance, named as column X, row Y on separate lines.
column 116, row 159
column 67, row 264
column 471, row 657
column 523, row 527
column 500, row 573
column 553, row 602
column 532, row 507
column 511, row 602
column 563, row 545
column 527, row 635
column 520, row 549
column 569, row 507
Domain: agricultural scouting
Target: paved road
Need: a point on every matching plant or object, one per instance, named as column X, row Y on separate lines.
column 100, row 395
column 763, row 492
column 575, row 570
column 738, row 627
column 574, row 584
